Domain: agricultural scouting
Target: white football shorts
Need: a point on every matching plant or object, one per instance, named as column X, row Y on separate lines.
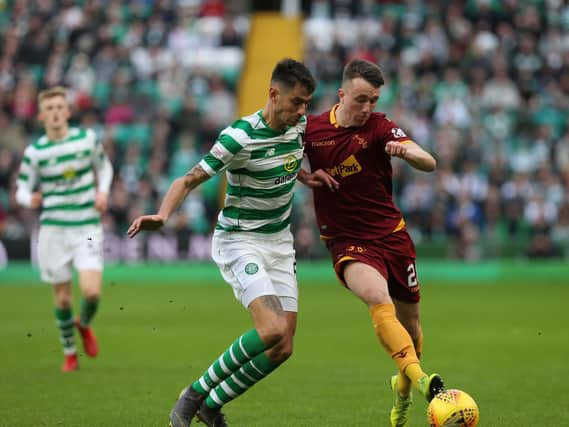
column 62, row 248
column 256, row 264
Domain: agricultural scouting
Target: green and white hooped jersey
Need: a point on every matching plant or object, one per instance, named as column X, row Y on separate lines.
column 64, row 172
column 262, row 165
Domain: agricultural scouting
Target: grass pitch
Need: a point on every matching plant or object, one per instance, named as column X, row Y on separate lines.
column 506, row 344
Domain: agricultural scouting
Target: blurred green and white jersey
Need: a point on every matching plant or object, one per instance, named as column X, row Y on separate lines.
column 262, row 165
column 64, row 172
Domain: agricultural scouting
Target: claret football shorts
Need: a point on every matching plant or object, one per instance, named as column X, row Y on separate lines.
column 393, row 256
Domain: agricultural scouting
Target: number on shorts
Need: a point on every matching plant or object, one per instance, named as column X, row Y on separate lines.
column 412, row 277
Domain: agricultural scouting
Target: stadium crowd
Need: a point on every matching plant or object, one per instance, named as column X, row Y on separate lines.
column 482, row 84
column 155, row 80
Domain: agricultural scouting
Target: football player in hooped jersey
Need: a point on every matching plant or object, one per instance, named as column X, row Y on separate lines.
column 252, row 243
column 364, row 231
column 67, row 174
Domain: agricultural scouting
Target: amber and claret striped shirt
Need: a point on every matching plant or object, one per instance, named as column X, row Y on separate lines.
column 363, row 207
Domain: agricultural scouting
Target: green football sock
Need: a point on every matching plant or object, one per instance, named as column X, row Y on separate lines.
column 64, row 321
column 88, row 310
column 241, row 381
column 245, row 348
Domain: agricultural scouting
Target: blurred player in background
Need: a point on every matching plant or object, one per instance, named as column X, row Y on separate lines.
column 364, row 231
column 67, row 175
column 252, row 243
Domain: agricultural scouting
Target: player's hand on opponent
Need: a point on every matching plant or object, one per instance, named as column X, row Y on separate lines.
column 145, row 222
column 396, row 149
column 101, row 202
column 36, row 200
column 321, row 178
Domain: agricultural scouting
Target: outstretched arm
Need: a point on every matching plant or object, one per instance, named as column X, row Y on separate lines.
column 413, row 154
column 176, row 194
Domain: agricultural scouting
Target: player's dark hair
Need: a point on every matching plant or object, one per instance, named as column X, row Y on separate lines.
column 290, row 72
column 368, row 71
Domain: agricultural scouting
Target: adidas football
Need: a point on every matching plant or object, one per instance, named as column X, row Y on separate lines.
column 452, row 408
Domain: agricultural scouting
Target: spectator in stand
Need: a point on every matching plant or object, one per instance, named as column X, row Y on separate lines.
column 483, row 80
column 489, row 82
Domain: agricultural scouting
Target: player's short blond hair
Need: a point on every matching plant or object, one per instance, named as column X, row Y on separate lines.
column 51, row 93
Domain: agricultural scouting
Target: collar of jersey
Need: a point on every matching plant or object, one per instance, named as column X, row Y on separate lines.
column 70, row 133
column 276, row 132
column 333, row 120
